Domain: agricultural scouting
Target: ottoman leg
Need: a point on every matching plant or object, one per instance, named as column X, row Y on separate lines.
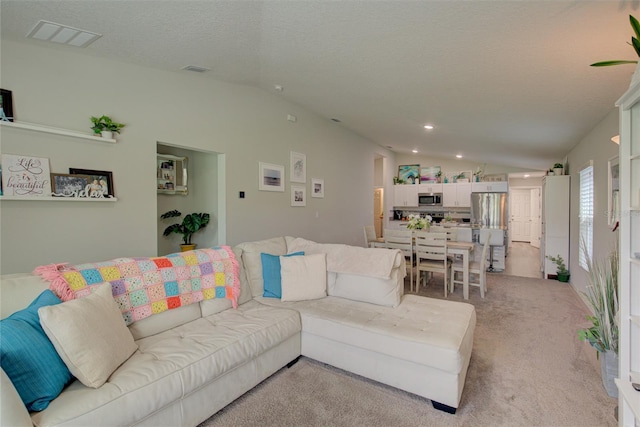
column 442, row 407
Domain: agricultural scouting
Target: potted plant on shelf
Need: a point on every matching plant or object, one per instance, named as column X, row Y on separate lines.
column 439, row 177
column 190, row 224
column 602, row 295
column 105, row 126
column 558, row 169
column 561, row 268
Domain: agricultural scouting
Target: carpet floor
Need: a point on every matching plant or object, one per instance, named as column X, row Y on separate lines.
column 528, row 368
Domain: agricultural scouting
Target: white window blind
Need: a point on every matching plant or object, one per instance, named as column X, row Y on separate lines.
column 586, row 215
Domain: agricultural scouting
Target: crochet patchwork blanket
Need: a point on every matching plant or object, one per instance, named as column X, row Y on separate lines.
column 145, row 286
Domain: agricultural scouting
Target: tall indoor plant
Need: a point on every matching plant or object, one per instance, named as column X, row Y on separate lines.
column 190, row 224
column 602, row 295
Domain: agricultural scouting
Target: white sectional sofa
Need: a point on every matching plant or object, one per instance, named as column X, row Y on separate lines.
column 192, row 361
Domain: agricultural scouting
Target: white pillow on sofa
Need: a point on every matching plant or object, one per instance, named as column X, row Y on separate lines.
column 303, row 277
column 90, row 335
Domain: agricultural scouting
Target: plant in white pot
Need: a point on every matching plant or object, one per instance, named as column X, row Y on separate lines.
column 558, row 169
column 602, row 295
column 105, row 126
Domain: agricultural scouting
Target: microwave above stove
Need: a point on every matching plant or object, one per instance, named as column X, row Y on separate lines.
column 430, row 199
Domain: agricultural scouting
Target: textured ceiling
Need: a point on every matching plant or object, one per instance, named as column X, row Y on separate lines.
column 504, row 82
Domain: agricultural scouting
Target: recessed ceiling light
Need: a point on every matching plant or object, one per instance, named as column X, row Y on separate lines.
column 458, row 156
column 414, row 151
column 428, row 127
column 63, row 34
column 278, row 88
column 526, row 175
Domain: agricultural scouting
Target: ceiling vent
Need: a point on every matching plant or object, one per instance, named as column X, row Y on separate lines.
column 196, row 69
column 63, row 34
column 336, row 120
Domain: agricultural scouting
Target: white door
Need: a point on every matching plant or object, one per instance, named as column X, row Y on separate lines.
column 535, row 217
column 520, row 209
column 378, row 211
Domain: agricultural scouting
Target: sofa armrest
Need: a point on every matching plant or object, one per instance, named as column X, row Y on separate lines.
column 13, row 412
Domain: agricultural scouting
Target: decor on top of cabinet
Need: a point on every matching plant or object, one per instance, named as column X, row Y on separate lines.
column 479, row 173
column 6, row 105
column 430, row 174
column 409, row 174
column 463, row 176
column 561, row 268
column 191, row 223
column 558, row 169
column 602, row 296
column 416, row 222
column 25, row 176
column 105, row 126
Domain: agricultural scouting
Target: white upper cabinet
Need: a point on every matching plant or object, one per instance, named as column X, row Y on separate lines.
column 490, row 187
column 430, row 188
column 457, row 195
column 405, row 195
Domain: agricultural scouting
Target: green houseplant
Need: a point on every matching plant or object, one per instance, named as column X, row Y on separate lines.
column 191, row 223
column 105, row 124
column 561, row 268
column 602, row 296
column 634, row 43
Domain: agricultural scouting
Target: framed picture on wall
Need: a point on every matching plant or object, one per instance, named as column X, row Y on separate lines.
column 298, row 167
column 67, row 185
column 25, row 176
column 430, row 174
column 298, row 195
column 270, row 177
column 317, row 188
column 6, row 105
column 409, row 174
column 101, row 184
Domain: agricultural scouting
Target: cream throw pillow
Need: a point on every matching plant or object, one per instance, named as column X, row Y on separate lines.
column 90, row 335
column 303, row 277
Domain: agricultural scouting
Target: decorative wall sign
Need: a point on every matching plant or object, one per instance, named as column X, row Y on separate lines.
column 298, row 167
column 270, row 177
column 317, row 188
column 6, row 105
column 298, row 195
column 101, row 182
column 25, row 176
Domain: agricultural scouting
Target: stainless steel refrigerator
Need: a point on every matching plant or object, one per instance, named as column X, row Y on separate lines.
column 489, row 210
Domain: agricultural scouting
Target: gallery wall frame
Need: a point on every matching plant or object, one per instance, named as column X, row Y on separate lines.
column 298, row 195
column 317, row 188
column 298, row 167
column 270, row 177
column 103, row 179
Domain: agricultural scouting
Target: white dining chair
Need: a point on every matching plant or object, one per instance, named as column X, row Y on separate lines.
column 431, row 257
column 403, row 240
column 370, row 239
column 477, row 269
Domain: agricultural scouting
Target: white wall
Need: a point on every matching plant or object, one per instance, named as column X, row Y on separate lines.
column 62, row 88
column 596, row 146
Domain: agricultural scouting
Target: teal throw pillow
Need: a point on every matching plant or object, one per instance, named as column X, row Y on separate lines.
column 29, row 358
column 271, row 274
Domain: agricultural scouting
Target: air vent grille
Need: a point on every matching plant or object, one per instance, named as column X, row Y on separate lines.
column 196, row 69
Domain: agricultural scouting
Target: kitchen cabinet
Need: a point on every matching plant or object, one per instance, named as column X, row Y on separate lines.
column 555, row 221
column 456, row 195
column 430, row 188
column 490, row 187
column 405, row 195
column 629, row 274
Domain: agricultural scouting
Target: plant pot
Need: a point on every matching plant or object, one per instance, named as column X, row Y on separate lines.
column 185, row 248
column 564, row 277
column 609, row 371
column 558, row 171
column 107, row 134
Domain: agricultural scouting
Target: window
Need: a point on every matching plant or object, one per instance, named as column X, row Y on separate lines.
column 586, row 215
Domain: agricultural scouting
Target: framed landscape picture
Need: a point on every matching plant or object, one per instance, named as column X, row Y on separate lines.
column 101, row 184
column 430, row 174
column 270, row 177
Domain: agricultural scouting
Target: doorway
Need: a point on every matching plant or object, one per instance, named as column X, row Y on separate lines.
column 378, row 210
column 524, row 232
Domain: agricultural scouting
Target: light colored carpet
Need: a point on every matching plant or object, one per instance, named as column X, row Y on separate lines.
column 528, row 368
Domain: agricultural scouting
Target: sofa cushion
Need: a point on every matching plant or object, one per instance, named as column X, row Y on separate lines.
column 169, row 319
column 303, row 277
column 271, row 274
column 29, row 358
column 89, row 334
column 373, row 290
column 253, row 263
column 18, row 290
column 245, row 288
